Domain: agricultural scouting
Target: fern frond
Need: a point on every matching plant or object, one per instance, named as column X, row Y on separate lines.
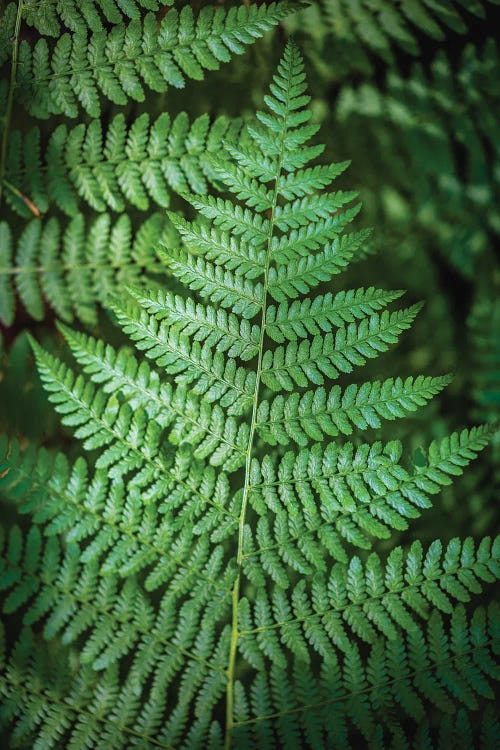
column 244, row 599
column 75, row 598
column 125, row 536
column 48, row 17
column 231, row 216
column 46, row 696
column 205, row 323
column 73, row 267
column 232, row 252
column 123, row 541
column 314, row 502
column 206, row 428
column 463, row 730
column 135, row 164
column 314, row 208
column 246, row 188
column 300, row 318
column 368, row 600
column 118, row 64
column 132, row 445
column 191, row 363
column 307, row 181
column 7, row 26
column 300, row 276
column 484, row 324
column 301, row 242
column 131, row 442
column 428, row 114
column 216, row 284
column 102, row 422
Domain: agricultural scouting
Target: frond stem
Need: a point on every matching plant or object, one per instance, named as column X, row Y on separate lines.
column 231, row 671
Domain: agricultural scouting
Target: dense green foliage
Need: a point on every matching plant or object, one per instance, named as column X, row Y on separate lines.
column 231, row 536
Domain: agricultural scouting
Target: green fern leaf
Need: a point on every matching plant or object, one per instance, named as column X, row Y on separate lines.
column 210, row 583
column 304, row 317
column 379, row 26
column 48, row 17
column 450, row 669
column 310, row 361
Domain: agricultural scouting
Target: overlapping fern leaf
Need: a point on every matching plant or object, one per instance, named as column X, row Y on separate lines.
column 133, row 164
column 120, row 62
column 378, row 25
column 212, row 567
column 445, row 123
column 49, row 18
column 73, row 267
column 7, row 26
column 484, row 323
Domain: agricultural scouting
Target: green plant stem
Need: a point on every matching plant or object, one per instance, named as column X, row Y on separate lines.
column 10, row 97
column 233, row 647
